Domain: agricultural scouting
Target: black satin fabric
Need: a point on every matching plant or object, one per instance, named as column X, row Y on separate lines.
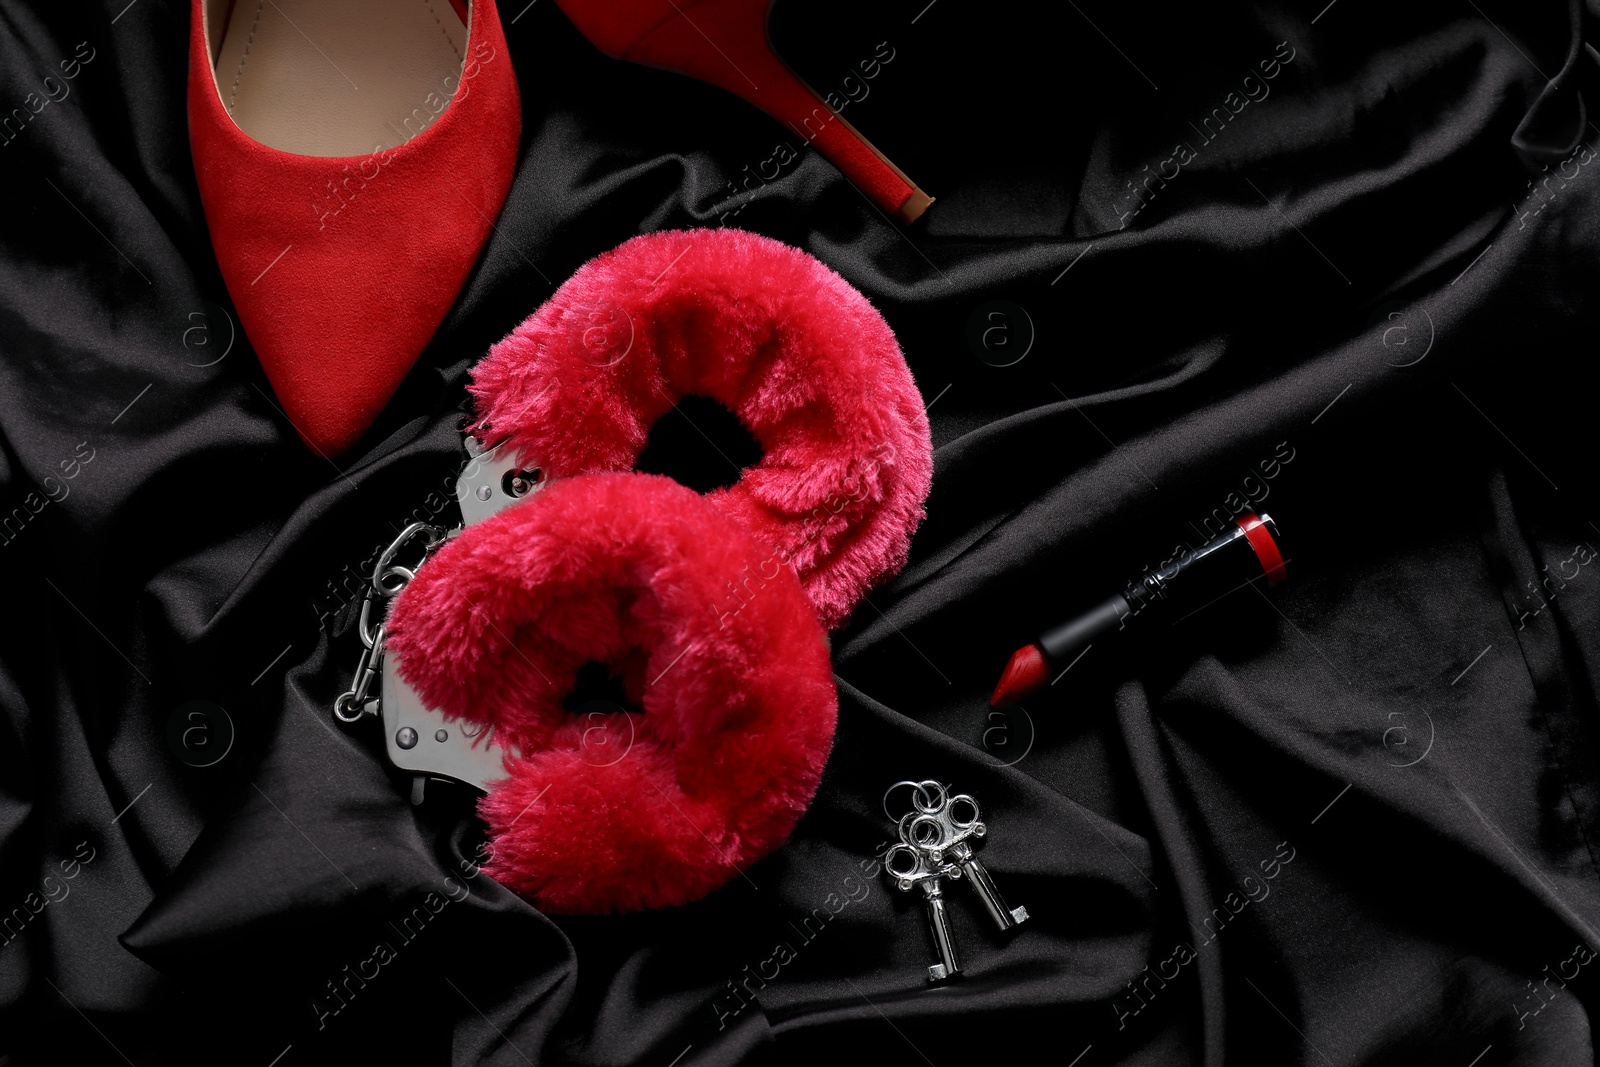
column 1351, row 820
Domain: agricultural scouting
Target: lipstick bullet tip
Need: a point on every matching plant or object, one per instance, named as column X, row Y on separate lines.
column 1024, row 673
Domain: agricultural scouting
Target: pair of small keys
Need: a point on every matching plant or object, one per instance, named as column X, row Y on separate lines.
column 936, row 844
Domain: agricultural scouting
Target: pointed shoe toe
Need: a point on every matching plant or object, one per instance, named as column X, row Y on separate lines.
column 345, row 225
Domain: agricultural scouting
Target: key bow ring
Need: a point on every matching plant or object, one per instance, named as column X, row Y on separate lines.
column 957, row 818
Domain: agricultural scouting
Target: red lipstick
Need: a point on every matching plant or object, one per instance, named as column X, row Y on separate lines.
column 1250, row 549
column 1025, row 672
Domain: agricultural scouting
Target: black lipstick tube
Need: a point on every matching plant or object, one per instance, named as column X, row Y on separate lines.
column 1190, row 580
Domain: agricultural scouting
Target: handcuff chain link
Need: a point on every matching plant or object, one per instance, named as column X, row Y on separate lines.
column 388, row 578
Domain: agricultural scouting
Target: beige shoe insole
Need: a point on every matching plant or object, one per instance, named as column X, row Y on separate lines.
column 338, row 77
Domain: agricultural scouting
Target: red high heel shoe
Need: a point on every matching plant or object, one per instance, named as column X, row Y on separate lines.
column 725, row 42
column 351, row 156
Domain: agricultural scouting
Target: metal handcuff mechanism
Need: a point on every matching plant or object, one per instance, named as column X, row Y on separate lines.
column 417, row 738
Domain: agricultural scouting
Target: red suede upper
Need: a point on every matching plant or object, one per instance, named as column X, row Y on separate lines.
column 725, row 43
column 617, row 25
column 808, row 365
column 624, row 811
column 338, row 302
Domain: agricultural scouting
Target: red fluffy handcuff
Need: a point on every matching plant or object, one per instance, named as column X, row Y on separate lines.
column 711, row 609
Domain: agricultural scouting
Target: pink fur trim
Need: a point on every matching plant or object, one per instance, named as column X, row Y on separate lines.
column 784, row 342
column 736, row 684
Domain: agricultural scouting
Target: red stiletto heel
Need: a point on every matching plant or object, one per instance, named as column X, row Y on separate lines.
column 725, row 43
